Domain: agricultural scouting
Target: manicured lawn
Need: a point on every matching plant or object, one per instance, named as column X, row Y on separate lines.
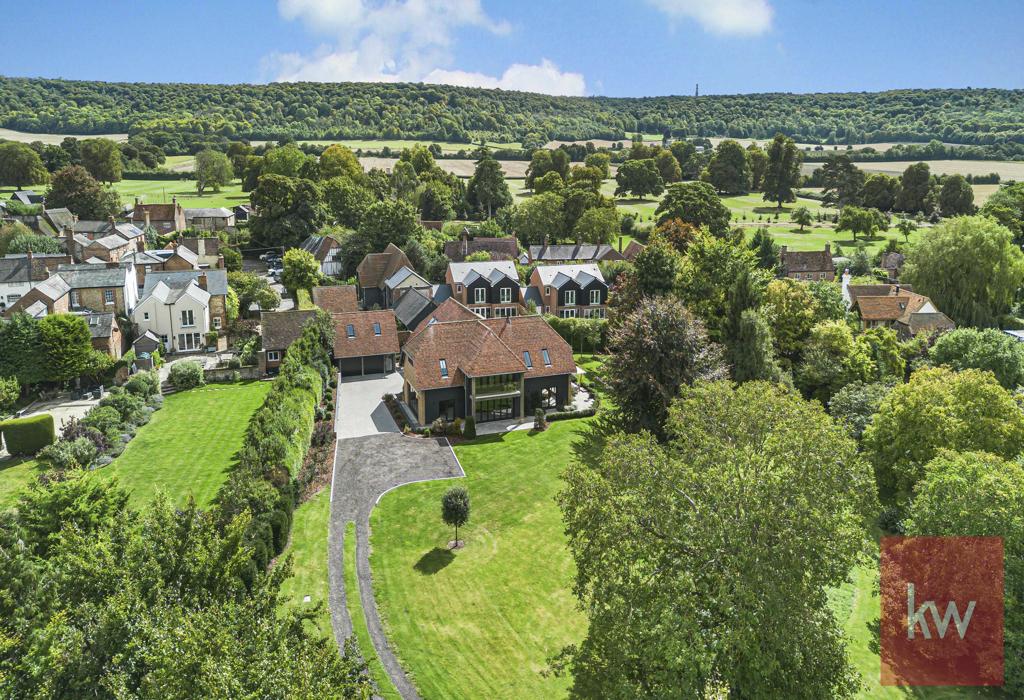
column 483, row 621
column 15, row 475
column 189, row 445
column 308, row 550
column 161, row 191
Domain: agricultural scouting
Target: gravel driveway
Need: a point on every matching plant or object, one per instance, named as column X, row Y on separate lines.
column 360, row 410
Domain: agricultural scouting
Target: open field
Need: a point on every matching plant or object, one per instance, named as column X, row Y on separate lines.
column 161, row 191
column 189, row 445
column 399, row 144
column 25, row 137
column 16, row 474
column 481, row 622
column 1007, row 169
column 308, row 550
column 457, row 166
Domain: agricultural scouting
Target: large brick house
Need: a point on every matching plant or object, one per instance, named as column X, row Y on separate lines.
column 165, row 218
column 807, row 264
column 570, row 291
column 488, row 289
column 99, row 288
column 492, row 369
column 365, row 342
column 374, row 269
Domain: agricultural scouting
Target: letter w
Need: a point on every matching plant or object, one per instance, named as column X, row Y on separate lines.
column 952, row 613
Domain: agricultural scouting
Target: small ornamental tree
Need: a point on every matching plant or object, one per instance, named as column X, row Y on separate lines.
column 455, row 509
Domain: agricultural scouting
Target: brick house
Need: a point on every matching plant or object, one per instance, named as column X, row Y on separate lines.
column 336, row 300
column 206, row 250
column 807, row 264
column 571, row 291
column 365, row 342
column 492, row 369
column 213, row 282
column 505, row 248
column 278, row 330
column 898, row 308
column 176, row 259
column 374, row 269
column 99, row 288
column 209, row 219
column 165, row 218
column 19, row 273
column 105, row 334
column 108, row 241
column 486, row 288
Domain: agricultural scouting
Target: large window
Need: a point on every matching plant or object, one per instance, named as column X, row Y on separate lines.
column 570, row 297
column 187, row 318
column 505, row 311
column 446, row 409
column 595, row 297
column 567, row 313
column 108, row 296
column 273, row 355
column 494, row 409
column 190, row 341
column 496, row 384
column 480, row 295
column 506, row 295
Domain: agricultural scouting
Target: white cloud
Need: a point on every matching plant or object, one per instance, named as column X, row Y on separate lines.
column 737, row 17
column 402, row 40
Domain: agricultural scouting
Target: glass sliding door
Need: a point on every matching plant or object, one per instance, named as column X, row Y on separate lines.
column 494, row 409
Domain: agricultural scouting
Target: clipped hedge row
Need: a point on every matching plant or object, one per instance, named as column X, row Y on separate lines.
column 263, row 480
column 565, row 415
column 26, row 436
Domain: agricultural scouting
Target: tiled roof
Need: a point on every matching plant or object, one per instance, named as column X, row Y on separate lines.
column 499, row 248
column 377, row 267
column 211, row 244
column 336, row 300
column 89, row 276
column 216, row 280
column 281, row 328
column 876, row 290
column 365, row 342
column 168, row 294
column 448, row 310
column 14, row 266
column 806, row 261
column 566, row 253
column 27, row 197
column 60, row 217
column 411, row 305
column 634, row 249
column 208, row 213
column 319, row 246
column 111, row 242
column 473, row 348
column 557, row 275
column 468, row 272
column 100, row 325
column 157, row 212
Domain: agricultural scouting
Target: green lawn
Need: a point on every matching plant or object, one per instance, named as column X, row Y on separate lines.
column 482, row 621
column 15, row 475
column 308, row 549
column 397, row 145
column 161, row 191
column 189, row 445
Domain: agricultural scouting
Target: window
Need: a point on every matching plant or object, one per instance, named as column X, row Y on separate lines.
column 75, row 301
column 482, row 313
column 108, row 296
column 376, row 328
column 505, row 311
column 446, row 409
column 595, row 297
column 458, row 288
column 190, row 341
column 526, row 359
column 570, row 297
column 273, row 355
column 216, row 322
column 480, row 295
column 444, row 367
column 506, row 295
column 547, row 358
column 547, row 291
column 496, row 384
column 163, row 339
column 821, row 275
column 568, row 313
column 187, row 318
column 350, row 330
column 13, row 297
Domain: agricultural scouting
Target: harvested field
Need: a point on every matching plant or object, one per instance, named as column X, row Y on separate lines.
column 462, row 168
column 25, row 137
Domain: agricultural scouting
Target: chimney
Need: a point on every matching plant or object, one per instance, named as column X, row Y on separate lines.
column 202, row 280
column 828, row 249
column 110, row 220
column 620, row 244
column 28, row 256
column 145, row 214
column 69, row 241
column 545, row 241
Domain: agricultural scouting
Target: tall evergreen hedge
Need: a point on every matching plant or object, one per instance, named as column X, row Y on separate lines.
column 26, row 436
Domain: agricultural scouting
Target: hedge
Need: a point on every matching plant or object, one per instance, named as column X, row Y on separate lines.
column 26, row 436
column 263, row 482
column 582, row 334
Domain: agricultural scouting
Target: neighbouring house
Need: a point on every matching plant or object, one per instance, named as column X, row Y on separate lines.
column 339, row 299
column 892, row 263
column 213, row 282
column 99, row 288
column 175, row 259
column 165, row 218
column 498, row 248
column 807, row 264
column 374, row 269
column 403, row 280
column 491, row 369
column 579, row 252
column 487, row 288
column 210, row 219
column 632, row 250
column 898, row 308
column 570, row 291
column 327, row 252
column 365, row 342
column 26, row 197
column 278, row 330
column 206, row 250
column 180, row 308
column 60, row 218
column 108, row 241
column 447, row 310
column 414, row 306
column 106, row 334
column 19, row 273
column 242, row 213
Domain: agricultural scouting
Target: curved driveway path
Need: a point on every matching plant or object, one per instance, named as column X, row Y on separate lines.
column 365, row 468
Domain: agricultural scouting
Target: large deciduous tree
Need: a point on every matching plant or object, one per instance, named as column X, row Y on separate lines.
column 915, row 185
column 213, row 170
column 940, row 409
column 956, row 196
column 782, row 174
column 288, row 211
column 729, row 169
column 843, row 182
column 102, row 158
column 340, row 161
column 597, row 225
column 705, row 563
column 970, row 267
column 301, row 270
column 20, row 165
column 880, row 191
column 988, row 349
column 346, row 200
column 697, row 204
column 639, row 178
column 657, row 347
column 1007, row 207
column 74, row 188
column 540, row 218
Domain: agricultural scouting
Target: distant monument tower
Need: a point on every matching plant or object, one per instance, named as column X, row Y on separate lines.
column 696, row 90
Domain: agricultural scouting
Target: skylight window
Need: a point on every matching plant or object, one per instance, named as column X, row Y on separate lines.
column 527, row 360
column 547, row 358
column 376, row 328
column 350, row 331
column 444, row 367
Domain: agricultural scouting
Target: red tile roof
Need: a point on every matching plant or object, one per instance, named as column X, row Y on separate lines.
column 449, row 310
column 377, row 267
column 365, row 342
column 336, row 300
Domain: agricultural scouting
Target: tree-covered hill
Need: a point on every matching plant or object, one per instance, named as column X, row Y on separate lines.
column 445, row 113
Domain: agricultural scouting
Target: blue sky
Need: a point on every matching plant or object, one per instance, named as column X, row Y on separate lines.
column 643, row 47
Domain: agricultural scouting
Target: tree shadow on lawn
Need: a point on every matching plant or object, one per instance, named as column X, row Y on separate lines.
column 434, row 560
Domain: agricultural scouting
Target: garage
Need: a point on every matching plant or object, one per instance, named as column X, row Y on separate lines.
column 365, row 342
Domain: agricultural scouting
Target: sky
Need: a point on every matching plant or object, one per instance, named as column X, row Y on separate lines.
column 571, row 47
